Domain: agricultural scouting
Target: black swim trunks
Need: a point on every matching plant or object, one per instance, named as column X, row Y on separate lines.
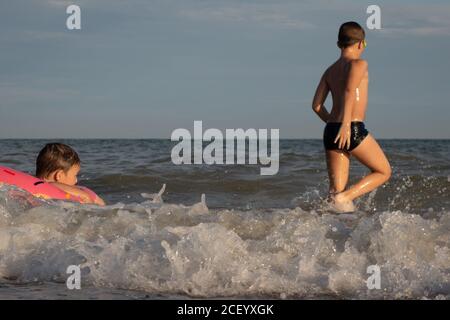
column 357, row 134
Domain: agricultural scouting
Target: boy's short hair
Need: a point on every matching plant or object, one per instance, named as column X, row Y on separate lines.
column 55, row 156
column 350, row 33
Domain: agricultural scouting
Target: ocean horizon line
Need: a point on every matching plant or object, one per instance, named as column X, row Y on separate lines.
column 165, row 139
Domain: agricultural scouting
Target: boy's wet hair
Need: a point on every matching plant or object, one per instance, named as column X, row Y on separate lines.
column 55, row 156
column 350, row 33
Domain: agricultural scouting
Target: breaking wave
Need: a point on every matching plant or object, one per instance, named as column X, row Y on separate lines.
column 173, row 249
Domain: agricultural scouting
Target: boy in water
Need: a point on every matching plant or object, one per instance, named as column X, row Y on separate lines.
column 345, row 133
column 59, row 165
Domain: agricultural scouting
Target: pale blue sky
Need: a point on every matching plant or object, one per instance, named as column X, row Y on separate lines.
column 140, row 69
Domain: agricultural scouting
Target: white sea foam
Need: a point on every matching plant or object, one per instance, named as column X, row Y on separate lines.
column 177, row 249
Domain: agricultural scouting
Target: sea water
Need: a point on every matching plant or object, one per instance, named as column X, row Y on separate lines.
column 226, row 231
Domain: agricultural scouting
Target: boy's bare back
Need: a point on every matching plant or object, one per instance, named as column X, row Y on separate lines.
column 348, row 76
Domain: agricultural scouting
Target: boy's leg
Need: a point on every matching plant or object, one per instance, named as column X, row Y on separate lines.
column 338, row 163
column 369, row 154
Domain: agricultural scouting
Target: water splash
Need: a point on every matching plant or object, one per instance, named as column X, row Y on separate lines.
column 172, row 249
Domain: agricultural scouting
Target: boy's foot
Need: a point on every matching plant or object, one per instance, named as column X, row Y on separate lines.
column 342, row 204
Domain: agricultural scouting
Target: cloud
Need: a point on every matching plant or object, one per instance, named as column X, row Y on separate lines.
column 34, row 91
column 412, row 19
column 264, row 14
column 61, row 3
column 398, row 19
column 416, row 20
column 41, row 35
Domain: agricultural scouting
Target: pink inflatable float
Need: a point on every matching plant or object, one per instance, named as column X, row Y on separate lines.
column 37, row 187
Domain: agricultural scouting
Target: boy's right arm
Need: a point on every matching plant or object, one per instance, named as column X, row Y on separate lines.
column 319, row 99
